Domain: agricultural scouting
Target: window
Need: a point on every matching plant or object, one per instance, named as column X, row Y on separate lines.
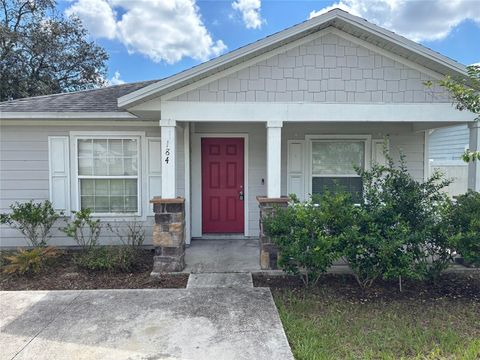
column 108, row 174
column 333, row 164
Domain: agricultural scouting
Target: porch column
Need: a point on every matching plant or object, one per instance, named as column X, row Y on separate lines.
column 168, row 146
column 474, row 166
column 274, row 158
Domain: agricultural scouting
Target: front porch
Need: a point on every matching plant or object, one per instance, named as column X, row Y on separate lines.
column 277, row 158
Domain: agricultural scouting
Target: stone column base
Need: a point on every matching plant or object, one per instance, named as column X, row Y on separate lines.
column 168, row 235
column 268, row 250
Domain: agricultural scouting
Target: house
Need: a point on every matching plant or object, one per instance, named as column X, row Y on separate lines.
column 287, row 114
column 445, row 148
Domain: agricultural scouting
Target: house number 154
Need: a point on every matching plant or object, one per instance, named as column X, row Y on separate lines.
column 167, row 153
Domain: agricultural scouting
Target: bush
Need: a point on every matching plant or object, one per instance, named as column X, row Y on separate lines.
column 465, row 221
column 307, row 233
column 30, row 261
column 107, row 258
column 83, row 229
column 130, row 233
column 400, row 228
column 33, row 220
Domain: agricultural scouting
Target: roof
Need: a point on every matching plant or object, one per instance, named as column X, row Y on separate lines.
column 337, row 18
column 114, row 99
column 95, row 100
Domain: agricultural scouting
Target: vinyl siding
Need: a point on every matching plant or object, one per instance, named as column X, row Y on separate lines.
column 448, row 143
column 24, row 173
column 326, row 69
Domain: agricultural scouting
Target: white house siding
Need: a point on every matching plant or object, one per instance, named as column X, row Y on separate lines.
column 448, row 143
column 446, row 146
column 24, row 172
column 326, row 69
column 401, row 138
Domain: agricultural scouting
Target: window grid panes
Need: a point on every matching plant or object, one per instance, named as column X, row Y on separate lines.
column 333, row 163
column 337, row 157
column 108, row 175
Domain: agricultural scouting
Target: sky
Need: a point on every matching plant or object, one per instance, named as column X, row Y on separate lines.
column 153, row 39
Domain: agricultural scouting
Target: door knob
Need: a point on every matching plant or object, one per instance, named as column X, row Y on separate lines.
column 241, row 196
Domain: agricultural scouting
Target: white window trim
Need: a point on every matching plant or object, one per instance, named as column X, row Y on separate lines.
column 142, row 176
column 367, row 139
column 376, row 142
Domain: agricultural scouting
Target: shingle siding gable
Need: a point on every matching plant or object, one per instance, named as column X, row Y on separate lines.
column 329, row 68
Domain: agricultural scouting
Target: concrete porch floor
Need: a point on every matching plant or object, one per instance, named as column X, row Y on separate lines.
column 222, row 256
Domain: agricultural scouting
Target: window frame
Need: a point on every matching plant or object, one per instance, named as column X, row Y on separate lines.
column 366, row 139
column 107, row 135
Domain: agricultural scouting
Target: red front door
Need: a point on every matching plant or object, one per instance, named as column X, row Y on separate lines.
column 222, row 185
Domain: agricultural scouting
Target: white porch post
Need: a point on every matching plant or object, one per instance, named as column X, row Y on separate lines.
column 168, row 157
column 274, row 158
column 474, row 166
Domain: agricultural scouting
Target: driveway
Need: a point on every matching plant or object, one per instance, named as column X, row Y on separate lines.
column 194, row 323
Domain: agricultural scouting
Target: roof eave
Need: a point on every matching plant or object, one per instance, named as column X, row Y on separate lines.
column 22, row 115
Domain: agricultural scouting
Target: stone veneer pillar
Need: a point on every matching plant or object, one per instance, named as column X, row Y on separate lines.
column 168, row 235
column 268, row 250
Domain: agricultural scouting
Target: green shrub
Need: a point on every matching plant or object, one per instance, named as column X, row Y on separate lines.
column 30, row 261
column 33, row 220
column 307, row 233
column 465, row 220
column 107, row 258
column 400, row 228
column 374, row 246
column 83, row 229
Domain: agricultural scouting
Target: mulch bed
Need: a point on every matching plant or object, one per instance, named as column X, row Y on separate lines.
column 455, row 286
column 64, row 275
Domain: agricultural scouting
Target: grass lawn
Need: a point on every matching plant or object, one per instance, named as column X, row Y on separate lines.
column 324, row 324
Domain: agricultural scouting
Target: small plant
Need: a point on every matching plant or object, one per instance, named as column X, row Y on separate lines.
column 32, row 220
column 30, row 261
column 107, row 258
column 83, row 229
column 465, row 221
column 130, row 233
column 307, row 233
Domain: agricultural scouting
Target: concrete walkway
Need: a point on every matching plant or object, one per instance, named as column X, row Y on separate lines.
column 220, row 280
column 200, row 322
column 222, row 256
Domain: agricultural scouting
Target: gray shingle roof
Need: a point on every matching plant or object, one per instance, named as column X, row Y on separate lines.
column 95, row 100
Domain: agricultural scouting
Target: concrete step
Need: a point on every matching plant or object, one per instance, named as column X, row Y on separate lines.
column 220, row 280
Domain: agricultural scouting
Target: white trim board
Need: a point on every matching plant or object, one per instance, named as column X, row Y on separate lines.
column 313, row 112
column 196, row 175
column 67, row 115
column 186, row 146
column 89, row 123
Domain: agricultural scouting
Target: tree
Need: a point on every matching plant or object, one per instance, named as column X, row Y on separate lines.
column 466, row 96
column 42, row 52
